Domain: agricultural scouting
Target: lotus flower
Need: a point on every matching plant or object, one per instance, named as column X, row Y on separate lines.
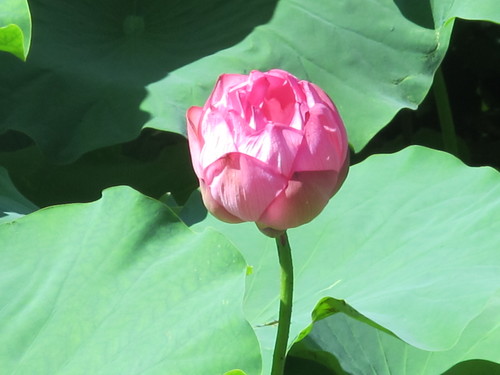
column 268, row 148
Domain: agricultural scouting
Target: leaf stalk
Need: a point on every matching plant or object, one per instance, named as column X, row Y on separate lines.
column 444, row 112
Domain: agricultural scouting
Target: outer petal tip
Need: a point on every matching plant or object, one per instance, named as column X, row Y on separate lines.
column 193, row 116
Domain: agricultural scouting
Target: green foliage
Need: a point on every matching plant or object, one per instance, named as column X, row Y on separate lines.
column 15, row 27
column 398, row 275
column 120, row 286
column 344, row 338
column 145, row 166
column 85, row 79
column 371, row 69
column 415, row 253
column 12, row 203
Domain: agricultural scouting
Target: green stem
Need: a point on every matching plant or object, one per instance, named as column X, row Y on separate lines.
column 444, row 112
column 286, row 296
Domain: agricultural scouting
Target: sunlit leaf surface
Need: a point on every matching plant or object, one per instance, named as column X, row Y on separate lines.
column 120, row 286
column 408, row 242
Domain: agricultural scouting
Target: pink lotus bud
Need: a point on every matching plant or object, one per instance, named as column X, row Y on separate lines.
column 267, row 148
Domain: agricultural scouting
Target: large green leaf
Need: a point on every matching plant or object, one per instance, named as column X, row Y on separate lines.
column 382, row 354
column 120, row 286
column 15, row 27
column 443, row 10
column 12, row 203
column 91, row 60
column 410, row 242
column 372, row 57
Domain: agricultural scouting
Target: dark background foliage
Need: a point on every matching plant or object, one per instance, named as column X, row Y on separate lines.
column 472, row 76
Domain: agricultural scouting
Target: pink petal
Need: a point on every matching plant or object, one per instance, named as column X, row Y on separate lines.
column 291, row 81
column 302, row 200
column 325, row 98
column 195, row 141
column 325, row 142
column 218, row 137
column 214, row 207
column 315, row 94
column 257, row 88
column 275, row 146
column 243, row 185
column 225, row 84
column 283, row 99
column 344, row 170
